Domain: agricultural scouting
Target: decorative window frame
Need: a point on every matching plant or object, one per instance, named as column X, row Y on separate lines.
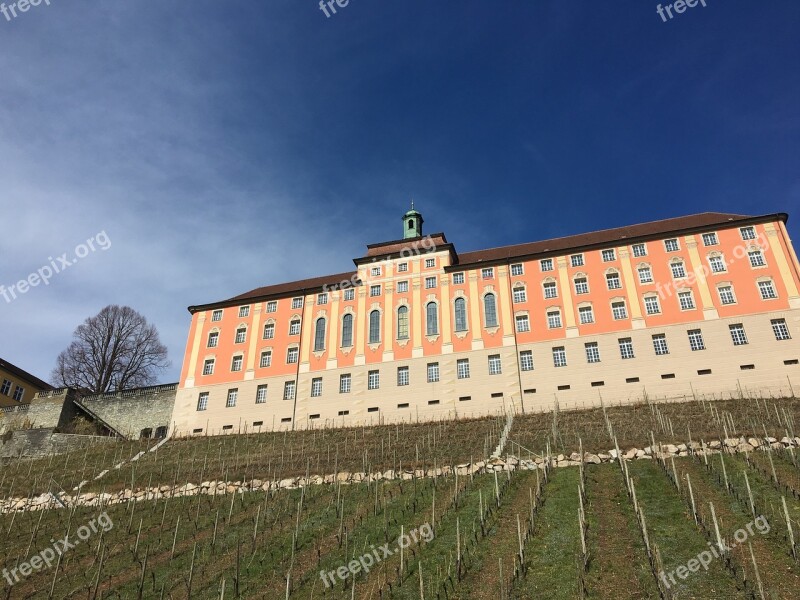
column 234, row 356
column 236, row 333
column 456, row 295
column 404, row 341
column 720, row 255
column 581, row 275
column 489, row 289
column 549, row 280
column 321, row 314
column 346, row 350
column 722, row 284
column 270, row 321
column 375, row 306
column 517, row 285
column 760, row 250
column 435, row 336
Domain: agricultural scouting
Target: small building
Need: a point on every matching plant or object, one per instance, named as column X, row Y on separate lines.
column 18, row 386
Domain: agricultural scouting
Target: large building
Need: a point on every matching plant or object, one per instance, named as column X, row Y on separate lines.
column 17, row 386
column 706, row 304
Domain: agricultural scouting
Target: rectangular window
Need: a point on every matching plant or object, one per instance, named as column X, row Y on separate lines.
column 292, row 355
column 660, row 344
column 609, row 255
column 402, row 287
column 349, row 294
column 373, row 380
column 322, row 298
column 202, row 401
column 297, row 303
column 345, row 381
column 581, row 286
column 375, row 271
column 546, row 264
column 756, row 259
column 619, row 311
column 272, row 306
column 738, row 335
column 495, row 365
column 613, row 281
column 208, row 367
column 767, row 290
column 651, row 305
column 458, row 278
column 550, row 290
column 462, row 368
column 269, row 331
column 523, row 324
column 244, row 311
column 671, row 245
column 261, row 394
column 241, row 335
column 696, row 340
column 780, row 329
column 517, row 269
column 559, row 356
column 7, row 387
column 402, row 376
column 645, row 275
column 288, row 390
column 236, row 363
column 710, row 239
column 576, row 260
column 430, row 263
column 316, row 387
column 554, row 319
column 678, row 270
column 592, row 352
column 232, row 394
column 526, row 360
column 586, row 314
column 213, row 339
column 726, row 294
column 433, row 372
column 266, row 359
column 717, row 264
column 216, row 315
column 639, row 250
column 626, row 348
column 19, row 392
column 402, row 267
column 374, row 290
column 487, row 273
column 686, row 300
column 403, row 405
column 747, row 233
column 430, row 283
column 520, row 295
column 294, row 328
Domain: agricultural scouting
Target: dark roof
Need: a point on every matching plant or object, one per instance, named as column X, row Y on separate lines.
column 435, row 242
column 4, row 364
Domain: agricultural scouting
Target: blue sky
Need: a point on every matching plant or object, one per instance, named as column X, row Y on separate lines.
column 227, row 145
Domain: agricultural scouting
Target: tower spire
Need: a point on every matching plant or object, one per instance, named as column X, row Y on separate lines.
column 412, row 223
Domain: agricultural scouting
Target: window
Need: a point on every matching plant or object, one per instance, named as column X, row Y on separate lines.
column 269, row 331
column 520, row 295
column 717, row 263
column 710, row 239
column 261, row 394
column 550, row 289
column 619, row 311
column 756, row 258
column 462, row 368
column 297, row 303
column 651, row 305
column 244, row 311
column 559, row 356
column 294, row 327
column 402, row 267
column 374, row 290
column 458, row 278
column 373, row 380
column 554, row 319
column 678, row 270
column 319, row 335
column 639, row 250
column 526, row 360
column 460, row 307
column 686, row 300
column 671, row 245
column 202, row 401
column 586, row 314
column 780, row 329
column 241, row 335
column 748, row 233
column 316, row 387
column 613, row 281
column 726, row 294
column 625, row 348
column 609, row 255
column 236, row 363
column 738, row 335
column 696, row 340
column 581, row 285
column 433, row 372
column 490, row 310
column 402, row 376
column 322, row 298
column 272, row 306
column 375, row 271
column 523, row 324
column 430, row 263
column 495, row 365
column 213, row 339
column 349, row 294
column 645, row 275
column 345, row 381
column 402, row 287
column 767, row 290
column 592, row 352
column 231, row 401
column 375, row 327
column 288, row 390
column 517, row 270
column 208, row 368
column 347, row 330
column 292, row 355
column 430, row 283
column 431, row 318
column 660, row 344
column 546, row 264
column 216, row 315
column 576, row 260
column 19, row 392
column 487, row 273
column 402, row 323
column 6, row 388
column 266, row 359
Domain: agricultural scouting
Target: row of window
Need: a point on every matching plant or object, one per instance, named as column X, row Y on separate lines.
column 19, row 391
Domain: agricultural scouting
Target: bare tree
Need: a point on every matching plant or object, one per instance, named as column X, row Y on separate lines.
column 116, row 349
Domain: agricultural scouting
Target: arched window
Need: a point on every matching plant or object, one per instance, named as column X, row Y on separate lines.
column 431, row 319
column 347, row 331
column 411, row 223
column 402, row 323
column 461, row 314
column 490, row 310
column 319, row 335
column 375, row 327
